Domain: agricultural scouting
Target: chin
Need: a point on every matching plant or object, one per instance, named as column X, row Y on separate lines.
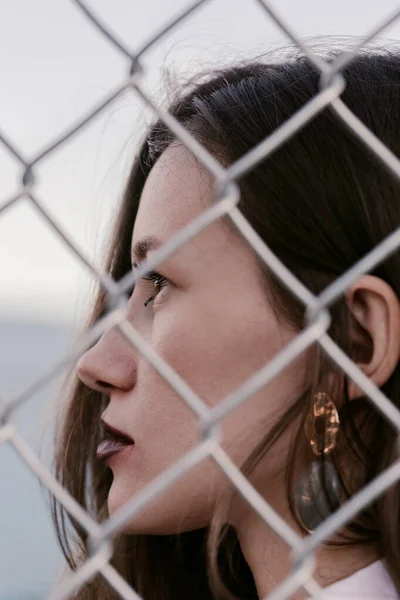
column 184, row 506
column 118, row 498
column 150, row 520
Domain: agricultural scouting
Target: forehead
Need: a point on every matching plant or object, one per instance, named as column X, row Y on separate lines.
column 177, row 190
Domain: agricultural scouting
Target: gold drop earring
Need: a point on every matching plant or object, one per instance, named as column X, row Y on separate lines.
column 318, row 491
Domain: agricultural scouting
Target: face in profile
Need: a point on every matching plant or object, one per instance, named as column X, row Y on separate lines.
column 211, row 320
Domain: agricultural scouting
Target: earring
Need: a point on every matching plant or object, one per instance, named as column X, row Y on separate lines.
column 318, row 491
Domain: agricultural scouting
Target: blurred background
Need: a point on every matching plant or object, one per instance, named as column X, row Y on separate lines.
column 54, row 67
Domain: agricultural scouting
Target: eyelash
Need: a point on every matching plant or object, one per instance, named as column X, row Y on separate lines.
column 155, row 277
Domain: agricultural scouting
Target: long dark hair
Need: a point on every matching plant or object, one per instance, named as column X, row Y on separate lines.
column 321, row 202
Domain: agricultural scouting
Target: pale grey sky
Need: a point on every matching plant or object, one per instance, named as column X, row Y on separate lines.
column 54, row 66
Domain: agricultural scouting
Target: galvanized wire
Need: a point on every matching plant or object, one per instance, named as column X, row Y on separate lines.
column 332, row 84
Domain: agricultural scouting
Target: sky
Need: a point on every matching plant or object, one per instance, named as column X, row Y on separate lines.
column 55, row 66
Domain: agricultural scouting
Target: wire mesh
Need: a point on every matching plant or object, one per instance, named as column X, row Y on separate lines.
column 332, row 84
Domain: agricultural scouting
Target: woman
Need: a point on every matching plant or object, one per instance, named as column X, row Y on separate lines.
column 216, row 314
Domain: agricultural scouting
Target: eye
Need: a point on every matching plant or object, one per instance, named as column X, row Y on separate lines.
column 159, row 281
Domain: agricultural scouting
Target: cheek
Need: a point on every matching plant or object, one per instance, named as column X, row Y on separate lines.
column 216, row 352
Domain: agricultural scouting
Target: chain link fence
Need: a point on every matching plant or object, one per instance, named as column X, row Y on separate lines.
column 332, row 85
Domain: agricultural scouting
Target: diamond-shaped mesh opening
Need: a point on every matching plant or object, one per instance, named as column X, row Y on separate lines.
column 37, row 249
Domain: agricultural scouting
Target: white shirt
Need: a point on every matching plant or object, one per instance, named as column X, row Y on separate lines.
column 371, row 583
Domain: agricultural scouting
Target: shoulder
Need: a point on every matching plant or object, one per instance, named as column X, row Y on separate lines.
column 371, row 583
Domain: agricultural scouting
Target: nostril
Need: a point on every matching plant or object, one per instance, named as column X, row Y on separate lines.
column 103, row 384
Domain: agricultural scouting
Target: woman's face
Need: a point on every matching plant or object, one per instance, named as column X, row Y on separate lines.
column 214, row 325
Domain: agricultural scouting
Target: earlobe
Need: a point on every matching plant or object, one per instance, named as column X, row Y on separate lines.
column 375, row 334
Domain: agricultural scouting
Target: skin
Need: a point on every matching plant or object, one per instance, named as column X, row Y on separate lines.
column 216, row 327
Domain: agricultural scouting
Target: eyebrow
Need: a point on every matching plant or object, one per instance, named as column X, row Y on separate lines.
column 142, row 247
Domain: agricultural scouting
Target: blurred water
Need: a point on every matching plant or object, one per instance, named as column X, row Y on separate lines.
column 30, row 559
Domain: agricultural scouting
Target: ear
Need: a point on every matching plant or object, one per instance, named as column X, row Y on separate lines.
column 375, row 329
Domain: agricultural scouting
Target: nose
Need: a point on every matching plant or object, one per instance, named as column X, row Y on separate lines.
column 109, row 364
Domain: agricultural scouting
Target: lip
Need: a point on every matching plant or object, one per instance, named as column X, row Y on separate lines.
column 111, row 446
column 113, row 432
column 114, row 441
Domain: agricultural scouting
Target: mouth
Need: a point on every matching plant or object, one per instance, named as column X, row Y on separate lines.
column 113, row 441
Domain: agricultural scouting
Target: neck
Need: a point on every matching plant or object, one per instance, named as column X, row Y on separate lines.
column 269, row 558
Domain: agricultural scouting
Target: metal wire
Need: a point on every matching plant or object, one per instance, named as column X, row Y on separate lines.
column 332, row 85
